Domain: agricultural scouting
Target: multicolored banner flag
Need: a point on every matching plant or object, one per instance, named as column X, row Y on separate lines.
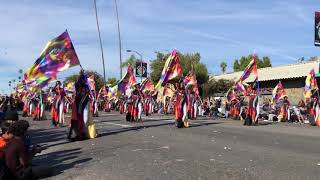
column 57, row 56
column 103, row 92
column 127, row 80
column 146, row 85
column 172, row 69
column 311, row 84
column 21, row 86
column 231, row 95
column 70, row 87
column 278, row 93
column 190, row 82
column 241, row 87
column 250, row 69
column 168, row 90
column 112, row 93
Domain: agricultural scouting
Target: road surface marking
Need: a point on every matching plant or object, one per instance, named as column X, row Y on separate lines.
column 122, row 125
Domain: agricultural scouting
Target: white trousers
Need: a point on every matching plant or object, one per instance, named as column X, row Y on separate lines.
column 139, row 110
column 185, row 112
column 195, row 110
column 61, row 113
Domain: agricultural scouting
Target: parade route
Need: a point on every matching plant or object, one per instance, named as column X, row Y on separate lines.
column 156, row 149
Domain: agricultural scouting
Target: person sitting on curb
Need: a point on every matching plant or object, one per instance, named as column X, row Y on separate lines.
column 16, row 155
column 4, row 139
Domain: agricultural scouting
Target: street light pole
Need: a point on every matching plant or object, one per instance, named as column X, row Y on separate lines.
column 140, row 62
column 104, row 70
column 119, row 37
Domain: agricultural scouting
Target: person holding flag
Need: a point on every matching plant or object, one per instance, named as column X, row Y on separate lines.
column 81, row 124
column 57, row 112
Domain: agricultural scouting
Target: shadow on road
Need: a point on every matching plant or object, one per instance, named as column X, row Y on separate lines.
column 59, row 161
column 203, row 124
column 40, row 136
column 137, row 128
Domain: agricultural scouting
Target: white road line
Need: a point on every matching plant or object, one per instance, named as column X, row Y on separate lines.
column 122, row 125
column 169, row 120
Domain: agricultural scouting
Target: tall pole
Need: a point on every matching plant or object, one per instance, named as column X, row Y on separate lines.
column 119, row 37
column 104, row 70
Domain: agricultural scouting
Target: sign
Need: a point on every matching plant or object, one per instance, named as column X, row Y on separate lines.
column 141, row 69
column 317, row 29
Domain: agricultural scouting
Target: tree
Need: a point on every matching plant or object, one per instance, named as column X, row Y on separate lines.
column 240, row 65
column 131, row 60
column 216, row 86
column 236, row 66
column 98, row 78
column 223, row 67
column 266, row 62
column 112, row 81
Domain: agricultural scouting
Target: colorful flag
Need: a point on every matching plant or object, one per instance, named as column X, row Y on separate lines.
column 241, row 87
column 250, row 69
column 231, row 95
column 278, row 93
column 103, row 92
column 69, row 87
column 21, row 86
column 311, row 84
column 57, row 56
column 146, row 85
column 127, row 80
column 172, row 69
column 91, row 82
column 112, row 93
column 190, row 82
column 168, row 90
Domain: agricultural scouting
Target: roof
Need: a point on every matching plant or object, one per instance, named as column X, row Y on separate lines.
column 291, row 71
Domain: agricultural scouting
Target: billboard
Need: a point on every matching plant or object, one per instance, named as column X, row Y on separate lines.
column 141, row 68
column 317, row 29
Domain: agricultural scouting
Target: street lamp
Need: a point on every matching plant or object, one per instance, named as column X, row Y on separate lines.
column 140, row 61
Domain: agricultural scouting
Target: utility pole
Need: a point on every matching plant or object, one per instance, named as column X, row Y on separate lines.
column 104, row 69
column 119, row 37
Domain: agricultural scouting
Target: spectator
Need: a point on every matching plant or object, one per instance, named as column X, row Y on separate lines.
column 16, row 156
column 4, row 138
column 302, row 106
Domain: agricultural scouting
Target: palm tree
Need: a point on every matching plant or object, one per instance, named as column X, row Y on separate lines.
column 223, row 67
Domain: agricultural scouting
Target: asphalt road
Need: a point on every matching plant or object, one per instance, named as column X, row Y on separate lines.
column 155, row 149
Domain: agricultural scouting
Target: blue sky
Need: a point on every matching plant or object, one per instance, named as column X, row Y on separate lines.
column 220, row 30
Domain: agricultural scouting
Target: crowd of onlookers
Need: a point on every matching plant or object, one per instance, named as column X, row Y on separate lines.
column 16, row 148
column 282, row 111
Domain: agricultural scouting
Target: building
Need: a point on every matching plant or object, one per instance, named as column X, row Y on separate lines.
column 291, row 76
